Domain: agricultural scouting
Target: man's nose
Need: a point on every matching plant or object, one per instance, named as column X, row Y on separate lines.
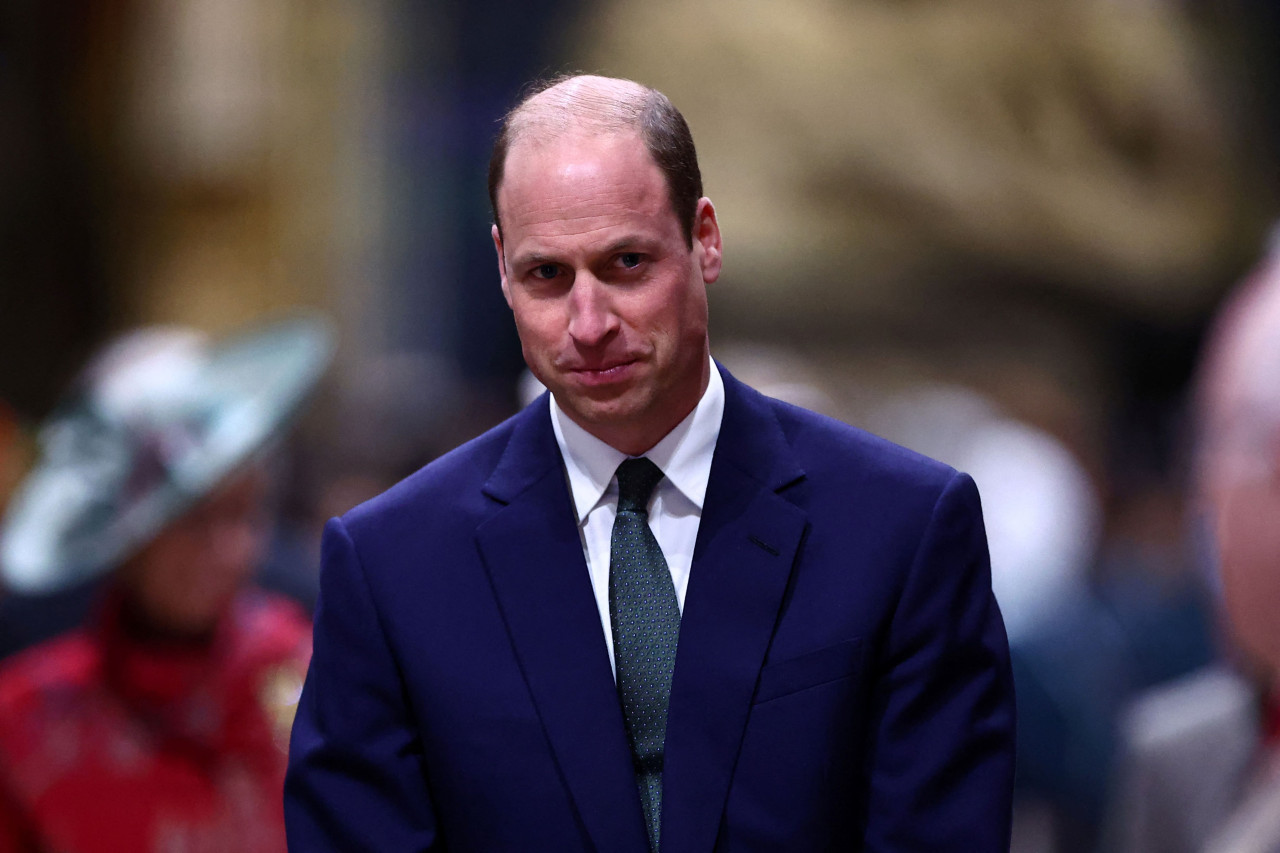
column 591, row 316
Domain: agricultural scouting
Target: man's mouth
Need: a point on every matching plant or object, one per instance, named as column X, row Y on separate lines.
column 603, row 373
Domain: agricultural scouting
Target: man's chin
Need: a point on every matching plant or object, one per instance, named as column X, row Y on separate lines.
column 601, row 411
column 584, row 398
column 604, row 413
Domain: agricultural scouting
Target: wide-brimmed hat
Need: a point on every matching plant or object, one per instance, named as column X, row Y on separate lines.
column 156, row 421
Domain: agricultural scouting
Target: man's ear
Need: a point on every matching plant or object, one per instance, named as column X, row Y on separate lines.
column 502, row 263
column 706, row 240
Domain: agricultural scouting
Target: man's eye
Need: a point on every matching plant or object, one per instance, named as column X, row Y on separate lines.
column 545, row 271
column 629, row 260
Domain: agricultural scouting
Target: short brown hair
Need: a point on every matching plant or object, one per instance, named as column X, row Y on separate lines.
column 663, row 129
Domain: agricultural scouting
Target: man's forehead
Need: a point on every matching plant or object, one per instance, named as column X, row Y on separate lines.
column 591, row 184
column 575, row 142
column 581, row 163
column 583, row 178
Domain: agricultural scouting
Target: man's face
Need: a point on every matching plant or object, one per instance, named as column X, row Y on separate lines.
column 1243, row 493
column 608, row 296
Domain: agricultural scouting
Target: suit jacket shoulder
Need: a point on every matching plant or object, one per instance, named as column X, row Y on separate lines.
column 440, row 481
column 443, row 502
column 826, row 443
column 840, row 472
column 824, row 447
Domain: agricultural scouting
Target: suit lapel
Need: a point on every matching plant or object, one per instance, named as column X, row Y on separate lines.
column 748, row 540
column 534, row 557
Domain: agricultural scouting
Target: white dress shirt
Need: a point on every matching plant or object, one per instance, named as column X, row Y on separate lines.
column 684, row 455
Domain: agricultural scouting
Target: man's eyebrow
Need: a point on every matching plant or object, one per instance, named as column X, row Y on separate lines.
column 530, row 259
column 628, row 242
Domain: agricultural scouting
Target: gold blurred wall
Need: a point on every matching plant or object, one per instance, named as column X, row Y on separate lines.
column 230, row 157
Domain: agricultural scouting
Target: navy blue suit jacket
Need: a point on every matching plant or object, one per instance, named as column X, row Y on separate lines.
column 841, row 683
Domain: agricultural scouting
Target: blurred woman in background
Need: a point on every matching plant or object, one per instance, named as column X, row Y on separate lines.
column 161, row 725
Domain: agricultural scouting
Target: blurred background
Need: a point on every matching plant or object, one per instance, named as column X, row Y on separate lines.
column 993, row 230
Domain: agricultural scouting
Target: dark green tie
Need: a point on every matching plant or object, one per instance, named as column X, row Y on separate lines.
column 645, row 618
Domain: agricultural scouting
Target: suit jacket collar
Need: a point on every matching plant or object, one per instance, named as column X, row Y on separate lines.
column 747, row 542
column 750, row 440
column 530, row 453
column 531, row 549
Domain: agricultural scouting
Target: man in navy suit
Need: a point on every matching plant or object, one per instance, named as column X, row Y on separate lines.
column 775, row 633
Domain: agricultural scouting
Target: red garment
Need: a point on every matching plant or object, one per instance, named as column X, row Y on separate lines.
column 1271, row 721
column 111, row 744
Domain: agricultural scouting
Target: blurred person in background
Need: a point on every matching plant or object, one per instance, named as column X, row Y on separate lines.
column 1201, row 771
column 162, row 725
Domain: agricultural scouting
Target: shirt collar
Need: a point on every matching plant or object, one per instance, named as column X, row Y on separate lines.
column 684, row 454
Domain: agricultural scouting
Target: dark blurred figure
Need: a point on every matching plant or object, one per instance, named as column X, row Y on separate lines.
column 58, row 77
column 1202, row 768
column 1141, row 621
column 161, row 726
column 12, row 453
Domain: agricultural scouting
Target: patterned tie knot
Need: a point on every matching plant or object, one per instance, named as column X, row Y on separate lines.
column 636, row 481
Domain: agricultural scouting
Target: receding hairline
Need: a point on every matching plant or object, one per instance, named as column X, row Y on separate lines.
column 581, row 103
column 591, row 106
